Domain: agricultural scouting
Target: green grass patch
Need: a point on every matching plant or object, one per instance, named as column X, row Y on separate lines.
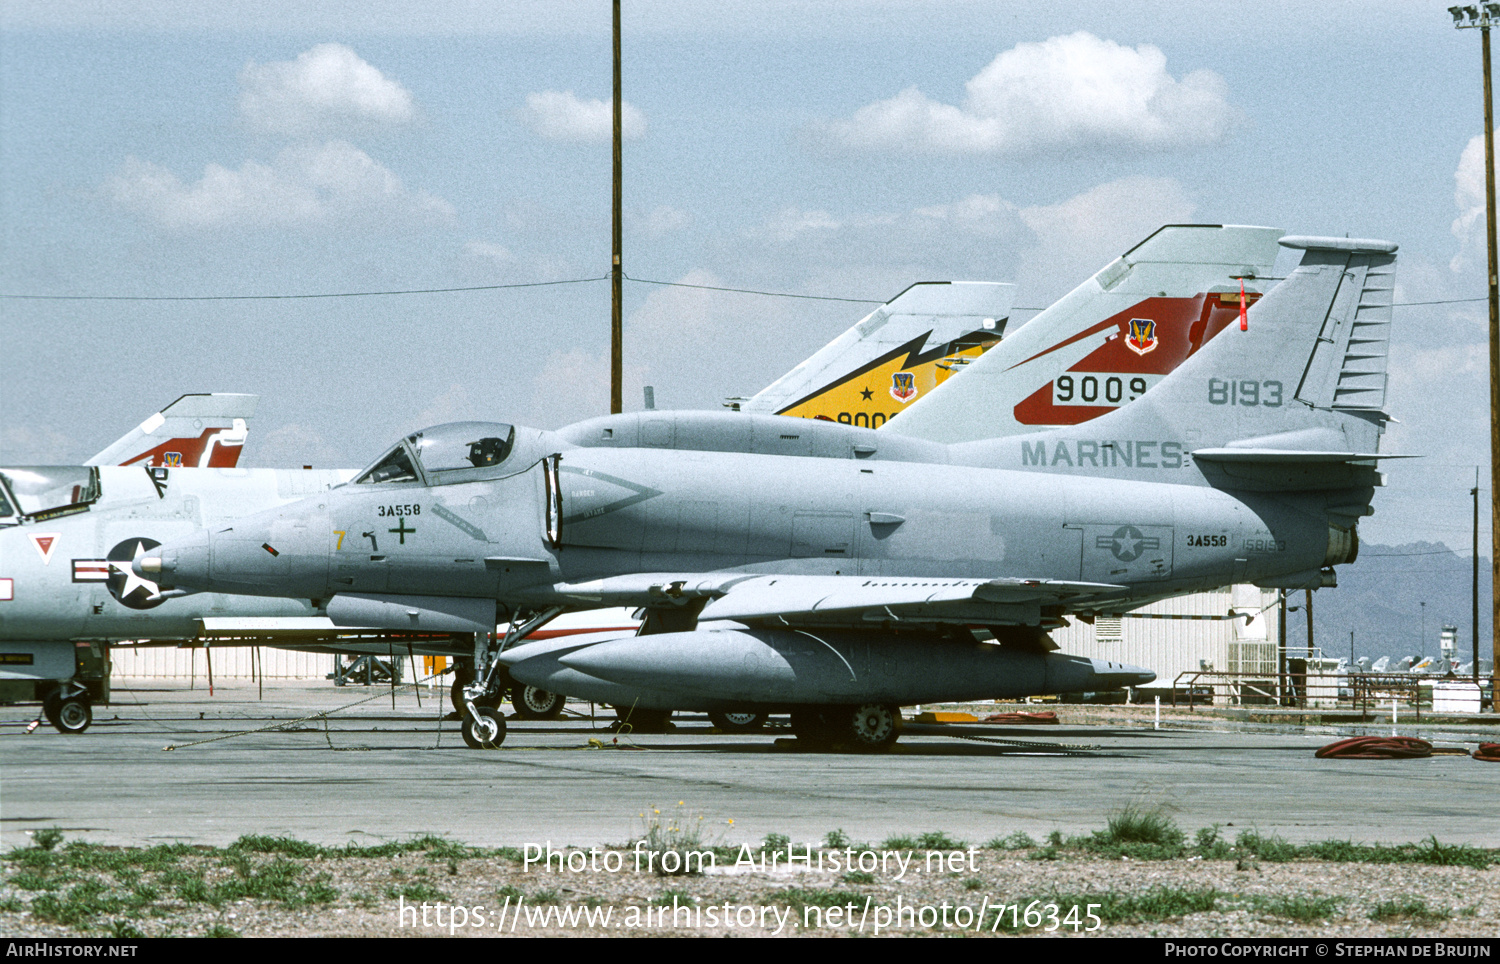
column 1413, row 911
column 859, row 877
column 47, row 838
column 1303, row 910
column 666, row 897
column 84, row 903
column 932, row 840
column 1016, row 841
column 1211, row 846
column 416, row 892
column 1431, row 852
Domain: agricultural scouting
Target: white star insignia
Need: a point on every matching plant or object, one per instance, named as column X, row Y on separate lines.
column 133, row 581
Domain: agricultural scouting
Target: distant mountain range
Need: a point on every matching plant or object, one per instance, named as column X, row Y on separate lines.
column 1379, row 598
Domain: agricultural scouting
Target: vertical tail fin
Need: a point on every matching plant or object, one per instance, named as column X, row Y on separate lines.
column 196, row 431
column 901, row 351
column 1294, row 402
column 1106, row 342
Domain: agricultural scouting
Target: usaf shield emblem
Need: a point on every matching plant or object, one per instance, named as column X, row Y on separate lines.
column 1142, row 335
column 903, row 387
column 172, row 459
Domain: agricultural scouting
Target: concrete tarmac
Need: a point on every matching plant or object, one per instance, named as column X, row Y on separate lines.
column 373, row 773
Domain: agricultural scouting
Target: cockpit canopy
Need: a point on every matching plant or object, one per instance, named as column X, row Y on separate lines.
column 443, row 454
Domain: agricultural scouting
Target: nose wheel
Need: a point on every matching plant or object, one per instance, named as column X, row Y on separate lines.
column 484, row 728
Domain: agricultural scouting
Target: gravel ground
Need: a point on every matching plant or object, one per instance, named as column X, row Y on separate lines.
column 328, row 895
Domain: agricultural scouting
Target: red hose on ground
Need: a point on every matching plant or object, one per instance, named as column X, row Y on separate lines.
column 1045, row 716
column 1488, row 752
column 1376, row 748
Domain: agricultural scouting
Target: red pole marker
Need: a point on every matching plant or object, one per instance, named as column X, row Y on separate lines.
column 1244, row 321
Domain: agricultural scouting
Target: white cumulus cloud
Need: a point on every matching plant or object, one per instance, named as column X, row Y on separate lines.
column 328, row 89
column 563, row 116
column 1076, row 92
column 1468, row 195
column 305, row 186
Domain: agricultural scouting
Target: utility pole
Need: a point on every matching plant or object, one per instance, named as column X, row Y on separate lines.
column 617, row 265
column 1309, row 624
column 1281, row 645
column 1474, row 593
column 1475, row 18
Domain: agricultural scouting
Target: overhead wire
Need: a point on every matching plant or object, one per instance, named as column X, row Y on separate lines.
column 534, row 284
column 294, row 297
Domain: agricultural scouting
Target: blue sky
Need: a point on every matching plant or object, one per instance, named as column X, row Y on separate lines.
column 833, row 148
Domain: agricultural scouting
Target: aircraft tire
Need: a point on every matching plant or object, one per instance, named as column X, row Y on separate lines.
column 50, row 704
column 869, row 726
column 461, row 677
column 73, row 716
column 811, row 725
column 533, row 703
column 738, row 721
column 489, row 733
column 644, row 721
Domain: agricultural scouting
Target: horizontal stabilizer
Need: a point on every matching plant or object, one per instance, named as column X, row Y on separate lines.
column 1286, row 456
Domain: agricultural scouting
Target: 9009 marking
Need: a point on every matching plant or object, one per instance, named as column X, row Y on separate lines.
column 1100, row 388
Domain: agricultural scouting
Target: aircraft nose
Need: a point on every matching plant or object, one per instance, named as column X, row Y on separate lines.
column 177, row 565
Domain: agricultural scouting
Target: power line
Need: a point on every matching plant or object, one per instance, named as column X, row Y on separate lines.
column 752, row 291
column 335, row 294
column 530, row 284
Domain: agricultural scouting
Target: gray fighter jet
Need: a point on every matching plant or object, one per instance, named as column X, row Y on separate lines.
column 834, row 571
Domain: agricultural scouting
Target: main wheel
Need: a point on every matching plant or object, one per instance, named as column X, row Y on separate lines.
column 532, row 703
column 644, row 721
column 738, row 721
column 812, row 726
column 462, row 676
column 73, row 716
column 50, row 704
column 488, row 733
column 869, row 726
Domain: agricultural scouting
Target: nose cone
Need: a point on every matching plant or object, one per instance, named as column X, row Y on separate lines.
column 284, row 552
column 177, row 565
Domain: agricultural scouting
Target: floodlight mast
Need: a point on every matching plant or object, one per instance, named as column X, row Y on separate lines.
column 1483, row 16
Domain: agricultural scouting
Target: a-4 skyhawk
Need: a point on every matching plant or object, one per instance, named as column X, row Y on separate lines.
column 836, row 572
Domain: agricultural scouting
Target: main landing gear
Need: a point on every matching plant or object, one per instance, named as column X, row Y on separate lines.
column 68, row 708
column 864, row 727
column 738, row 721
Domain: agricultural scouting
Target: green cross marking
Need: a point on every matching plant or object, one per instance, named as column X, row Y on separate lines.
column 403, row 531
